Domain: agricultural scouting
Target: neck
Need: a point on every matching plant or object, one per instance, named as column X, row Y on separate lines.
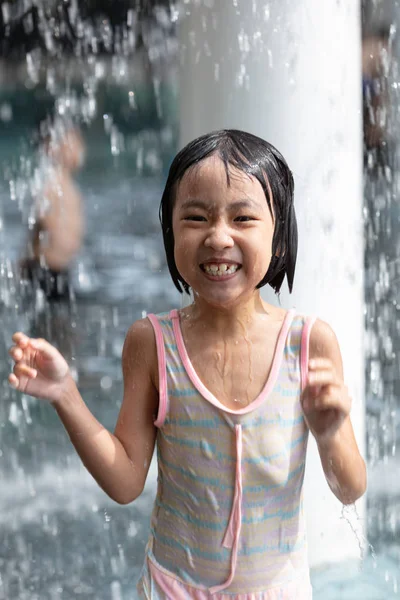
column 229, row 320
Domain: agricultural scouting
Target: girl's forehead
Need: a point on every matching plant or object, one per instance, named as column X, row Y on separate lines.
column 212, row 173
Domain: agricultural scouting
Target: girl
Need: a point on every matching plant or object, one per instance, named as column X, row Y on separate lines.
column 229, row 388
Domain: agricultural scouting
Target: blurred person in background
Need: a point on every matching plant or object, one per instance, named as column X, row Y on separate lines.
column 375, row 66
column 56, row 236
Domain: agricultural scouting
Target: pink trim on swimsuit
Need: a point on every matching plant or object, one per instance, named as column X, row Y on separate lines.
column 162, row 371
column 305, row 350
column 276, row 363
column 176, row 589
column 232, row 534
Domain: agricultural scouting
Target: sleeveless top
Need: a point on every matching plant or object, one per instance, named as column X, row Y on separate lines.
column 228, row 517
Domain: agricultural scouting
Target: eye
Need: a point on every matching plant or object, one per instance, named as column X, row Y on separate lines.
column 243, row 219
column 194, row 218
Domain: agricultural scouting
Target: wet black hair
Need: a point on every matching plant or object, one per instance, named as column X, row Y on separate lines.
column 257, row 158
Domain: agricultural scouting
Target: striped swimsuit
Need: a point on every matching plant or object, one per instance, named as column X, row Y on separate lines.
column 228, row 519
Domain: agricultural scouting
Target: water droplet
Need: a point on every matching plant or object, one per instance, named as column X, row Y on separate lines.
column 106, row 382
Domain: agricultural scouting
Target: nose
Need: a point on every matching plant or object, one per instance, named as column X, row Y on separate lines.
column 219, row 237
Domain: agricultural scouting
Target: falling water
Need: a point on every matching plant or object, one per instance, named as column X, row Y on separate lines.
column 382, row 340
column 109, row 70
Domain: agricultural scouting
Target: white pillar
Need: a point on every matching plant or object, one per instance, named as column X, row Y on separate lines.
column 290, row 72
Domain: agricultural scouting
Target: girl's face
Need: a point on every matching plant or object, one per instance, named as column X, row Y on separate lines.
column 223, row 234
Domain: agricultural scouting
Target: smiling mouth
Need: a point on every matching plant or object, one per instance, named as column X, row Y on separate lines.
column 220, row 269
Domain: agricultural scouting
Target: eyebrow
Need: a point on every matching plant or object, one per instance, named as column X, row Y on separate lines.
column 194, row 203
column 237, row 205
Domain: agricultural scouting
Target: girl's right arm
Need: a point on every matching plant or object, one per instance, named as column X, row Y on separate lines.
column 119, row 462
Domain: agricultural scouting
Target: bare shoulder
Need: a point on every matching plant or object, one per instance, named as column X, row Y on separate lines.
column 140, row 349
column 322, row 336
column 324, row 343
column 140, row 339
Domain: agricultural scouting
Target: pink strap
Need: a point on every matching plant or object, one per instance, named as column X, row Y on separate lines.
column 232, row 534
column 162, row 371
column 305, row 350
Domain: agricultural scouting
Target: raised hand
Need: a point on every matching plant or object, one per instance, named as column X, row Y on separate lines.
column 39, row 368
column 325, row 400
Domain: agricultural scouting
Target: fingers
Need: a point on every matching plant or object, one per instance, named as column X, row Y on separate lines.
column 16, row 353
column 321, row 371
column 323, row 377
column 42, row 346
column 20, row 372
column 329, row 397
column 23, row 342
column 13, row 381
column 20, row 355
column 20, row 339
column 319, row 363
column 23, row 370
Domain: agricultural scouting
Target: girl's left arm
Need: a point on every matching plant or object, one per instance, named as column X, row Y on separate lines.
column 326, row 405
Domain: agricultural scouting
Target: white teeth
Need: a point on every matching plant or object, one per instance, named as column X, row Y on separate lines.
column 221, row 269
